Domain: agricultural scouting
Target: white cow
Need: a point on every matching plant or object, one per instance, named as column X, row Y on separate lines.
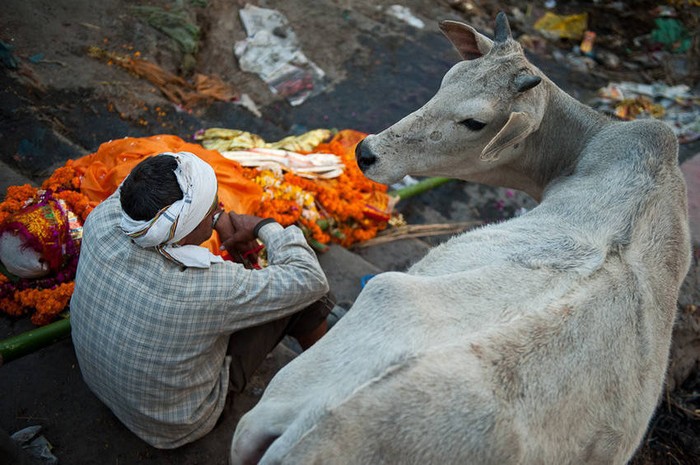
column 539, row 340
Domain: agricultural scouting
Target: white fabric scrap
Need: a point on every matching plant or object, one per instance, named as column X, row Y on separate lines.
column 20, row 259
column 404, row 14
column 313, row 165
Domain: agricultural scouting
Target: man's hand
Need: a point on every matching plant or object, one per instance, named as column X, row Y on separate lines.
column 236, row 233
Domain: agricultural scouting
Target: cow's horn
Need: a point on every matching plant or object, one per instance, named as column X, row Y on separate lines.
column 502, row 32
column 526, row 82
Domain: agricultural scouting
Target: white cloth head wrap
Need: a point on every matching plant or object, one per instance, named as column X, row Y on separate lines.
column 198, row 183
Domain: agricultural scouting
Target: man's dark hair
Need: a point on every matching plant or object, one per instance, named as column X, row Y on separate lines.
column 150, row 187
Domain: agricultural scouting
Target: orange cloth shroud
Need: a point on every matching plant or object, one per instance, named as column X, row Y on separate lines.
column 103, row 171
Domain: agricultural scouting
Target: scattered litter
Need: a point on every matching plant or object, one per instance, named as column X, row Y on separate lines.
column 562, row 27
column 176, row 25
column 36, row 446
column 404, row 14
column 586, row 46
column 36, row 58
column 520, row 211
column 597, row 55
column 248, row 103
column 39, row 58
column 272, row 52
column 90, row 26
column 407, row 180
column 666, row 11
column 671, row 34
column 176, row 89
column 471, row 7
column 212, row 87
column 675, row 105
column 608, row 59
column 574, row 61
column 365, row 279
column 7, row 57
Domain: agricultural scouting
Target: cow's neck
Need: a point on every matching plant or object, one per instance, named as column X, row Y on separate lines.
column 556, row 147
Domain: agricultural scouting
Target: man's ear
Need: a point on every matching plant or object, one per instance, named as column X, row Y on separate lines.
column 469, row 43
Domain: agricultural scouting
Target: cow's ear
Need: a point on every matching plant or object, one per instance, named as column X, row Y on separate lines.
column 469, row 43
column 517, row 128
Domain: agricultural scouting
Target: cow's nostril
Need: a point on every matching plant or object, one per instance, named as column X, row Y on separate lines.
column 365, row 158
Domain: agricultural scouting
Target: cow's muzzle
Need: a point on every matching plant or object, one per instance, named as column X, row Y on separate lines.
column 364, row 156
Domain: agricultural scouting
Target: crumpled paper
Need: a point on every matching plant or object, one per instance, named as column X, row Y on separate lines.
column 271, row 51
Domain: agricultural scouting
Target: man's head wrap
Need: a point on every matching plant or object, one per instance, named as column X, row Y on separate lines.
column 172, row 223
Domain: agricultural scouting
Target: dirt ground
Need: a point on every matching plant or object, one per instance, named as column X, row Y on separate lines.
column 76, row 73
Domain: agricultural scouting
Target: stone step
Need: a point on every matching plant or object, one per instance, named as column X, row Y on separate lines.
column 345, row 271
column 11, row 177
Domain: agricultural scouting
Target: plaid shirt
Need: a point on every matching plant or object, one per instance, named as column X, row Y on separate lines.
column 151, row 336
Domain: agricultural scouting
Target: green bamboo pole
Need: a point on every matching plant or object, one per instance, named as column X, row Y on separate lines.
column 22, row 344
column 420, row 187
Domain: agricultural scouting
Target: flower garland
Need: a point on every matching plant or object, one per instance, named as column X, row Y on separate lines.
column 47, row 296
column 345, row 210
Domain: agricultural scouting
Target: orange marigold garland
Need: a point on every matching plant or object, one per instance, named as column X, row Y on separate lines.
column 345, row 210
column 65, row 183
column 16, row 198
column 48, row 296
column 47, row 302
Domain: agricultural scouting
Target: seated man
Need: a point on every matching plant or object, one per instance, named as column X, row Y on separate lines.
column 163, row 329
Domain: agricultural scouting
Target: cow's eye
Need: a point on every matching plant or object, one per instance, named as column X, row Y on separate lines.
column 472, row 124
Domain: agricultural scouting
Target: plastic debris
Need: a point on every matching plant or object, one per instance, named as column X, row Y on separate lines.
column 670, row 33
column 574, row 61
column 248, row 103
column 674, row 105
column 365, row 279
column 7, row 58
column 271, row 50
column 404, row 14
column 562, row 27
column 586, row 46
column 467, row 6
column 407, row 180
column 608, row 59
column 35, row 445
column 38, row 58
column 634, row 108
